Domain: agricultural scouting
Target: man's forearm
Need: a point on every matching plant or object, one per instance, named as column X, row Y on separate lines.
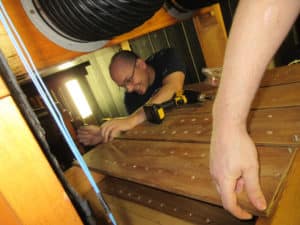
column 248, row 52
column 172, row 83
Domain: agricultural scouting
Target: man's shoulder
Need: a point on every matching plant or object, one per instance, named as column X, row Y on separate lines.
column 162, row 53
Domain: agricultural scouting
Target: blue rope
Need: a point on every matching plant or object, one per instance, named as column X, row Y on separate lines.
column 43, row 91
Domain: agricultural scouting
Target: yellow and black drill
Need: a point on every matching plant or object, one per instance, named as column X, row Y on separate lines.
column 155, row 113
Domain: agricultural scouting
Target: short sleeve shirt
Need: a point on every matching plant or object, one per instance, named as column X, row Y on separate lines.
column 164, row 62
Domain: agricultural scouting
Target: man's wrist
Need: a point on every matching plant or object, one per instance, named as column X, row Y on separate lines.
column 226, row 116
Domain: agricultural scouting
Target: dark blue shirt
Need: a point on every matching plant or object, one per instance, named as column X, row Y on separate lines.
column 164, row 62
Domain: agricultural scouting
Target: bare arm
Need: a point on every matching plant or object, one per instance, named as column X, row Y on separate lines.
column 171, row 84
column 257, row 31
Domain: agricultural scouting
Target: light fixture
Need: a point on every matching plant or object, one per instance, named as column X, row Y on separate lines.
column 78, row 98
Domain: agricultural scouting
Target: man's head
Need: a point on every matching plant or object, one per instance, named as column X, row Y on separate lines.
column 130, row 71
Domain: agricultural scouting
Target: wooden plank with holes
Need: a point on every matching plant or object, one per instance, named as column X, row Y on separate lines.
column 274, row 96
column 281, row 75
column 28, row 182
column 276, row 76
column 178, row 206
column 279, row 126
column 130, row 213
column 182, row 168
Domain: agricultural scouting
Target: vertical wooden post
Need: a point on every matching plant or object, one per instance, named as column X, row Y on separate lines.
column 212, row 36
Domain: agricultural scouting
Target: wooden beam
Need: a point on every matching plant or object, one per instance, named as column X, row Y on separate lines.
column 177, row 206
column 212, row 36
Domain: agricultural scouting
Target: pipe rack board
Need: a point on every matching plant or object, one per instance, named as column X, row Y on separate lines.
column 30, row 193
column 173, row 156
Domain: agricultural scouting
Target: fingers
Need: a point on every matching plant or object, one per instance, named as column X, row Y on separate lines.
column 109, row 132
column 229, row 199
column 254, row 191
column 239, row 185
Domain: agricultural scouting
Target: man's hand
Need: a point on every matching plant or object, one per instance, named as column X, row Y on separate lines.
column 113, row 128
column 89, row 135
column 233, row 166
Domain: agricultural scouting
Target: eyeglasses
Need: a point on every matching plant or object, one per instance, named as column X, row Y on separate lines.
column 130, row 78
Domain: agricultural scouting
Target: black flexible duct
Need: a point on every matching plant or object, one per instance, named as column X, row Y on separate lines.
column 94, row 20
column 186, row 5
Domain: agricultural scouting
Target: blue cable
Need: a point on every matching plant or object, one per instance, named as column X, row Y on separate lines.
column 43, row 91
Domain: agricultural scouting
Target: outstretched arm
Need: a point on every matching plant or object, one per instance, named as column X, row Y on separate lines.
column 257, row 31
column 91, row 135
column 171, row 84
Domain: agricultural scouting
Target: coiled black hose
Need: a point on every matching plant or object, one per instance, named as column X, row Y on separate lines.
column 94, row 20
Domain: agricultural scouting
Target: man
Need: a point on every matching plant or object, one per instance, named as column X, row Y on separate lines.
column 154, row 80
column 257, row 31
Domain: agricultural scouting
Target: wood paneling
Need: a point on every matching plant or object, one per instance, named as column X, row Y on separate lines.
column 178, row 206
column 281, row 75
column 277, row 96
column 129, row 213
column 271, row 126
column 27, row 182
column 3, row 89
column 183, row 168
column 271, row 96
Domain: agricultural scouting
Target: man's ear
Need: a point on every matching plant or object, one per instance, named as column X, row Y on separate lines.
column 141, row 63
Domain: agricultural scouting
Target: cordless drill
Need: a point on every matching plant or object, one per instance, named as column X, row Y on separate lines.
column 155, row 113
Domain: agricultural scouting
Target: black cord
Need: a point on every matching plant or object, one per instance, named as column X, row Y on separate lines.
column 94, row 20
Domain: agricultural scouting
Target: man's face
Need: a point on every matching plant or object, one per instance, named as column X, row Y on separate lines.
column 132, row 76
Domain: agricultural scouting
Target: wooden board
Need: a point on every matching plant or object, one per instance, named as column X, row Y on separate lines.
column 279, row 126
column 7, row 214
column 273, row 96
column 129, row 213
column 281, row 75
column 178, row 206
column 288, row 210
column 183, row 168
column 28, row 182
column 212, row 40
column 3, row 89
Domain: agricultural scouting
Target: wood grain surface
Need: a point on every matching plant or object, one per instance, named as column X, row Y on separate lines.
column 28, row 182
column 279, row 126
column 182, row 168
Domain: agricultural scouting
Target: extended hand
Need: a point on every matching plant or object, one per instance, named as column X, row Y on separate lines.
column 112, row 128
column 233, row 166
column 89, row 135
